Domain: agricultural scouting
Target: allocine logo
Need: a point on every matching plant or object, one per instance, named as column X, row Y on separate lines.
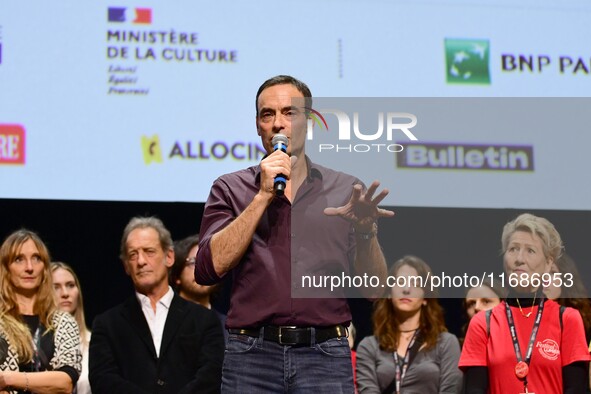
column 151, row 149
column 12, row 144
column 201, row 150
column 452, row 156
column 467, row 61
column 142, row 16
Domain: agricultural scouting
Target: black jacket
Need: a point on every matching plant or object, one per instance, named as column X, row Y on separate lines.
column 123, row 358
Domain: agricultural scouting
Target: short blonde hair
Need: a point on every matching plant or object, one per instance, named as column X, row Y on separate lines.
column 535, row 225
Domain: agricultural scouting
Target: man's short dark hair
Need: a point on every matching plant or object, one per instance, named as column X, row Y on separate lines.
column 285, row 80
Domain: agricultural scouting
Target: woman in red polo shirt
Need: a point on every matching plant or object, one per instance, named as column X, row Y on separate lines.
column 526, row 344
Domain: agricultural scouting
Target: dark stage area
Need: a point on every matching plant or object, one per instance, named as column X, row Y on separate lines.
column 86, row 235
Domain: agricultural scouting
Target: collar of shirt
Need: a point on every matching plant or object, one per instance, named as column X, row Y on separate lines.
column 165, row 301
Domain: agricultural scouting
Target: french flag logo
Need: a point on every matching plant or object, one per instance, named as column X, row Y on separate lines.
column 143, row 16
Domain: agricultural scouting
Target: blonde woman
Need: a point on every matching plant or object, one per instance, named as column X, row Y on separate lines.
column 526, row 343
column 69, row 299
column 43, row 342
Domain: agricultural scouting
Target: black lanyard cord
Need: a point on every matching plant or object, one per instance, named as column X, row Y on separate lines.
column 401, row 369
column 522, row 366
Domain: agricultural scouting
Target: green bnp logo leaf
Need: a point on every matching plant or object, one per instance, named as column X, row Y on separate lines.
column 467, row 61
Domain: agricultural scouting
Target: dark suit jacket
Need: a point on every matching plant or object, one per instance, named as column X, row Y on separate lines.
column 123, row 358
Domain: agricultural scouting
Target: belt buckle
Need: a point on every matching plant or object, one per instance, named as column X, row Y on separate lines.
column 281, row 335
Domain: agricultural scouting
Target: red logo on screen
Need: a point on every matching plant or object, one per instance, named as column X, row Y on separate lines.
column 12, row 144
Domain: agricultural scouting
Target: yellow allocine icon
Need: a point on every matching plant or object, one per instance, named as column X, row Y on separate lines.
column 151, row 149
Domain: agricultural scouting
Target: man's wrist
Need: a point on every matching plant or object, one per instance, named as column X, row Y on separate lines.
column 265, row 196
column 367, row 235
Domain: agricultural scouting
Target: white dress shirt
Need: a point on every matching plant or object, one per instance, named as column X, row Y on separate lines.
column 156, row 320
column 83, row 385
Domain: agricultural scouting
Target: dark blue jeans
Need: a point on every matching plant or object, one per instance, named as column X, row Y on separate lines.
column 253, row 365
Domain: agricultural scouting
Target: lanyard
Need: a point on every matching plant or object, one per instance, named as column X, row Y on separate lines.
column 401, row 371
column 522, row 367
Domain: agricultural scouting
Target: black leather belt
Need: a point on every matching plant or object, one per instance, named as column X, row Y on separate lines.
column 289, row 335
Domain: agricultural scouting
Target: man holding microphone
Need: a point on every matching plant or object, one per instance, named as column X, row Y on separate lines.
column 264, row 235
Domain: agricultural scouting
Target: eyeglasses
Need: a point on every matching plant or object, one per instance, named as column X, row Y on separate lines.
column 190, row 261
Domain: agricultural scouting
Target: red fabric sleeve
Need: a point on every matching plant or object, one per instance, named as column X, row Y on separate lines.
column 475, row 345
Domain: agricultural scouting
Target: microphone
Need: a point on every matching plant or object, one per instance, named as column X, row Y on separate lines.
column 280, row 142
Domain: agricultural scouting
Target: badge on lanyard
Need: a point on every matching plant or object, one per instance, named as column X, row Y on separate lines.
column 521, row 369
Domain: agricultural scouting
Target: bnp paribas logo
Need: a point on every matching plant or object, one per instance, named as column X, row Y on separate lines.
column 467, row 61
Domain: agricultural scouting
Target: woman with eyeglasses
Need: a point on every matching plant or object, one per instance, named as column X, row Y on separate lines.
column 182, row 276
column 43, row 352
column 68, row 294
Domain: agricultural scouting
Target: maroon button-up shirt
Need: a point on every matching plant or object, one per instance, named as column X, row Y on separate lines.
column 290, row 241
